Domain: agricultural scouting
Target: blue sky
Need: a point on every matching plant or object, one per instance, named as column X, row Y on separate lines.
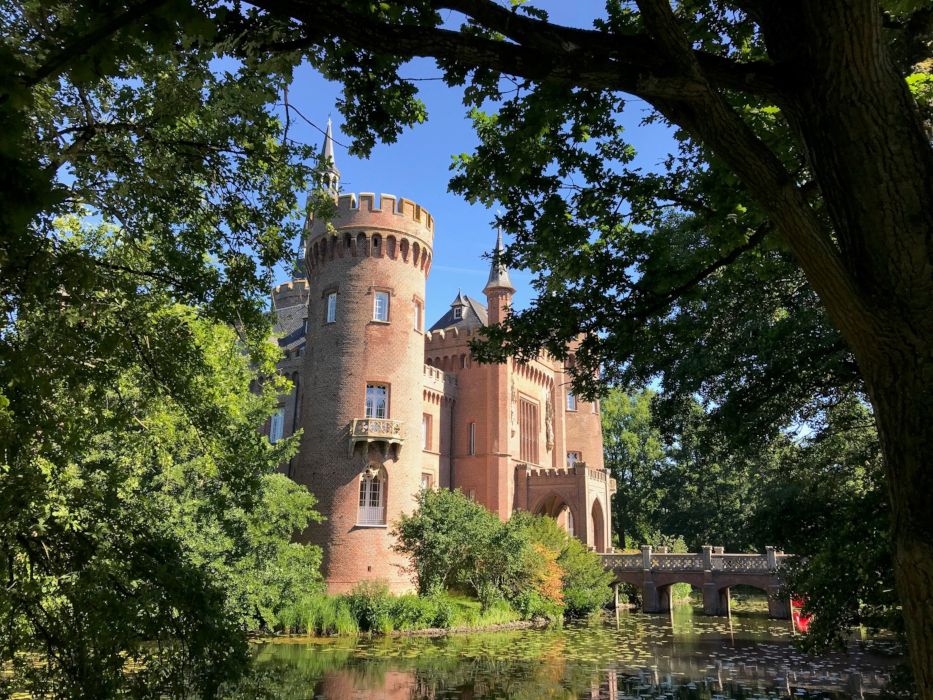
column 417, row 166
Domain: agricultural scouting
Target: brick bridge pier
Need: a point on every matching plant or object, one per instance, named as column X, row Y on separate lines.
column 655, row 570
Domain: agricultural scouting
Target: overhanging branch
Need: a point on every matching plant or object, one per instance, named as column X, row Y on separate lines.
column 536, row 49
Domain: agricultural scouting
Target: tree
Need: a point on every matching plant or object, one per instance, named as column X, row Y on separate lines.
column 827, row 499
column 453, row 541
column 143, row 530
column 798, row 131
column 635, row 457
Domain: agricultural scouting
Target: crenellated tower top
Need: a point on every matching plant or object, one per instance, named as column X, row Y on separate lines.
column 362, row 225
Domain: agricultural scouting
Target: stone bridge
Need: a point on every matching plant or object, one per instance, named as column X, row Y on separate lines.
column 654, row 570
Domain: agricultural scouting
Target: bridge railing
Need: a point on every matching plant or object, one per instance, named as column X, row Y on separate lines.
column 709, row 559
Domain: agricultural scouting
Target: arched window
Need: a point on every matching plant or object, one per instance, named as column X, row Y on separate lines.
column 372, row 497
column 570, row 522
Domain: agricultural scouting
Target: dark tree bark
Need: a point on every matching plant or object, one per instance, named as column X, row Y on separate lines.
column 832, row 75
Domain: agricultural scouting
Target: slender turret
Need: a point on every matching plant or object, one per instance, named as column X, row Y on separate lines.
column 498, row 289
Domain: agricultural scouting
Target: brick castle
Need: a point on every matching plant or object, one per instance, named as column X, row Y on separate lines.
column 389, row 406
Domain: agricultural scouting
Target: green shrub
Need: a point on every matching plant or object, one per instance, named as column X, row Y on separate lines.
column 443, row 612
column 586, row 584
column 531, row 604
column 409, row 612
column 371, row 605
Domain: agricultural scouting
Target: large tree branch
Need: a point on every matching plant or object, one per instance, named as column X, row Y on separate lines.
column 708, row 117
column 538, row 50
column 57, row 63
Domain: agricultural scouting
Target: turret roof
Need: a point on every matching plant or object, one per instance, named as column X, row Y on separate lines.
column 498, row 274
column 327, row 150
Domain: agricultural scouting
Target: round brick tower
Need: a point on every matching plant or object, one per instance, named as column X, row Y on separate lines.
column 362, row 377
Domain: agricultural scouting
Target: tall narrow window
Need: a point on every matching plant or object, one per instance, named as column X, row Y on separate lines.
column 425, row 432
column 458, row 312
column 417, row 318
column 381, row 306
column 372, row 498
column 529, row 430
column 570, row 522
column 331, row 307
column 571, row 401
column 277, row 426
column 472, row 438
column 377, row 401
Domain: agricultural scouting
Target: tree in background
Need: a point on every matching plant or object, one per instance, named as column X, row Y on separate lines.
column 819, row 495
column 634, row 455
column 827, row 500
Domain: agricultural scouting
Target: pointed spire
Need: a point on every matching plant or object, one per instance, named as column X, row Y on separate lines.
column 498, row 274
column 332, row 178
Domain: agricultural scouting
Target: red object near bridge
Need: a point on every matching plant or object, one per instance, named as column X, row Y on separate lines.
column 801, row 621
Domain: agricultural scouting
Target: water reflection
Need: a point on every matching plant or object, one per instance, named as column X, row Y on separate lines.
column 684, row 656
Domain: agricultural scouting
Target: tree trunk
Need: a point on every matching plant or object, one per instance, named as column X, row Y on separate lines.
column 865, row 146
column 902, row 398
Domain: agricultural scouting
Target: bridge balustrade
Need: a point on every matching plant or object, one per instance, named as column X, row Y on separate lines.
column 712, row 570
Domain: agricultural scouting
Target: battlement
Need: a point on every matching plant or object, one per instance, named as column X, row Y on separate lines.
column 290, row 293
column 300, row 285
column 442, row 334
column 385, row 211
column 395, row 229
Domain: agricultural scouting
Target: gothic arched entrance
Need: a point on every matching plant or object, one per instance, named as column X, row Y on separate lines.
column 599, row 527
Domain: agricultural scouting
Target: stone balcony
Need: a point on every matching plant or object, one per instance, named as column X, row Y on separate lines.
column 384, row 431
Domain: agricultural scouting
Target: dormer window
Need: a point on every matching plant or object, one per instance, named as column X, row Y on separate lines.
column 458, row 312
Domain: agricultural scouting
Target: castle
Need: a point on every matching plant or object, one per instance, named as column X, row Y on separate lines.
column 389, row 406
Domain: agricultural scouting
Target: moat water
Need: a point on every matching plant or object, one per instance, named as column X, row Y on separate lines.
column 681, row 656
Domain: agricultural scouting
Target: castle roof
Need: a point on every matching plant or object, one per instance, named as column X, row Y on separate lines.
column 289, row 326
column 473, row 314
column 498, row 274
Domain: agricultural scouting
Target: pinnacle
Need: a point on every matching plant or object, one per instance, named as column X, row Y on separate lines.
column 498, row 274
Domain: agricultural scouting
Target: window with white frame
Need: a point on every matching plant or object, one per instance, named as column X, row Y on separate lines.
column 573, row 458
column 381, row 306
column 571, row 401
column 331, row 307
column 377, row 401
column 277, row 425
column 458, row 312
column 372, row 497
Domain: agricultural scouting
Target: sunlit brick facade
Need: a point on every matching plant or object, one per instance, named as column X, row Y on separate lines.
column 388, row 406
